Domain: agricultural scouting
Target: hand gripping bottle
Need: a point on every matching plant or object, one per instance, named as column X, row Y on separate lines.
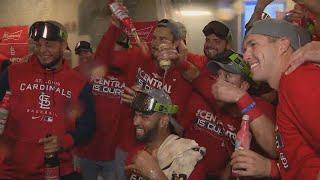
column 126, row 21
column 243, row 137
column 52, row 166
column 4, row 111
column 306, row 22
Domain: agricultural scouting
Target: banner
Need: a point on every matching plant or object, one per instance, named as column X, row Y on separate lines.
column 14, row 42
column 144, row 30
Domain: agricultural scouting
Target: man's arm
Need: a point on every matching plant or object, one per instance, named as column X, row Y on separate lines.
column 85, row 124
column 308, row 53
column 258, row 10
column 190, row 65
column 261, row 125
column 202, row 85
column 4, row 83
column 107, row 44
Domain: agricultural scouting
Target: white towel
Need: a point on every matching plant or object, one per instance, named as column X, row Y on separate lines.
column 179, row 155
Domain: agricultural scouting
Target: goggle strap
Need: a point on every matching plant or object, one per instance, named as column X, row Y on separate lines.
column 170, row 109
column 233, row 57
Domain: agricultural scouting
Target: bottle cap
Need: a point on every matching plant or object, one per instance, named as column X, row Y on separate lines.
column 246, row 117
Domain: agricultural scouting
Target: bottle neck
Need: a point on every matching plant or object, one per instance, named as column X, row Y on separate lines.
column 245, row 125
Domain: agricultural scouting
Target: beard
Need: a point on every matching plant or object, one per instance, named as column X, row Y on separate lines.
column 210, row 54
column 51, row 65
column 148, row 135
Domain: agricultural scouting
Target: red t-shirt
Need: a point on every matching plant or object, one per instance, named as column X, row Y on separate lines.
column 213, row 130
column 113, row 116
column 298, row 137
column 107, row 92
column 197, row 174
column 37, row 107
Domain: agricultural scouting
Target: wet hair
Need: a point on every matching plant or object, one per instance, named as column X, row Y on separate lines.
column 177, row 29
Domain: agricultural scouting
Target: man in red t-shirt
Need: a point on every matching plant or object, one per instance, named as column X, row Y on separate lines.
column 97, row 156
column 45, row 116
column 143, row 69
column 267, row 48
column 162, row 153
column 214, row 122
column 218, row 38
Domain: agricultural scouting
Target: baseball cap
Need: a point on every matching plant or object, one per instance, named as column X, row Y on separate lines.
column 280, row 28
column 82, row 46
column 156, row 100
column 219, row 29
column 232, row 62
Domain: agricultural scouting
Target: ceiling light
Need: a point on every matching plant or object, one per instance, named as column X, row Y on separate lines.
column 195, row 13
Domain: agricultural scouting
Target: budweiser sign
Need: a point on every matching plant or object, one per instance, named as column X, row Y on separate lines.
column 11, row 36
column 144, row 30
column 14, row 42
column 144, row 34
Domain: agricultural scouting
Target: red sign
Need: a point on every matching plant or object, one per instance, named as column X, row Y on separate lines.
column 14, row 42
column 144, row 30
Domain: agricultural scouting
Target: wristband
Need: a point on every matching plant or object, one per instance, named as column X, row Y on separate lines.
column 249, row 107
column 274, row 172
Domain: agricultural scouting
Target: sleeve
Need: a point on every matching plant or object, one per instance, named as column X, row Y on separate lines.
column 266, row 108
column 107, row 43
column 302, row 94
column 197, row 60
column 85, row 124
column 203, row 84
column 199, row 172
column 126, row 59
column 4, row 83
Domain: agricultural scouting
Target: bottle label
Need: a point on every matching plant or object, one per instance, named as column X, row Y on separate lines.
column 116, row 9
column 52, row 173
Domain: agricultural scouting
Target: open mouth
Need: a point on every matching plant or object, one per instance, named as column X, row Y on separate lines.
column 46, row 57
column 211, row 51
column 253, row 65
column 139, row 132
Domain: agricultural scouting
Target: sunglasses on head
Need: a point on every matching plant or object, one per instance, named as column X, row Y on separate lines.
column 46, row 30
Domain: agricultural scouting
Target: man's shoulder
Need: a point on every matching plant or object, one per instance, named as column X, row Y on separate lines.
column 302, row 84
column 302, row 75
column 20, row 67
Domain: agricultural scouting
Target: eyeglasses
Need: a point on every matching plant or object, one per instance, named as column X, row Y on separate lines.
column 46, row 30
